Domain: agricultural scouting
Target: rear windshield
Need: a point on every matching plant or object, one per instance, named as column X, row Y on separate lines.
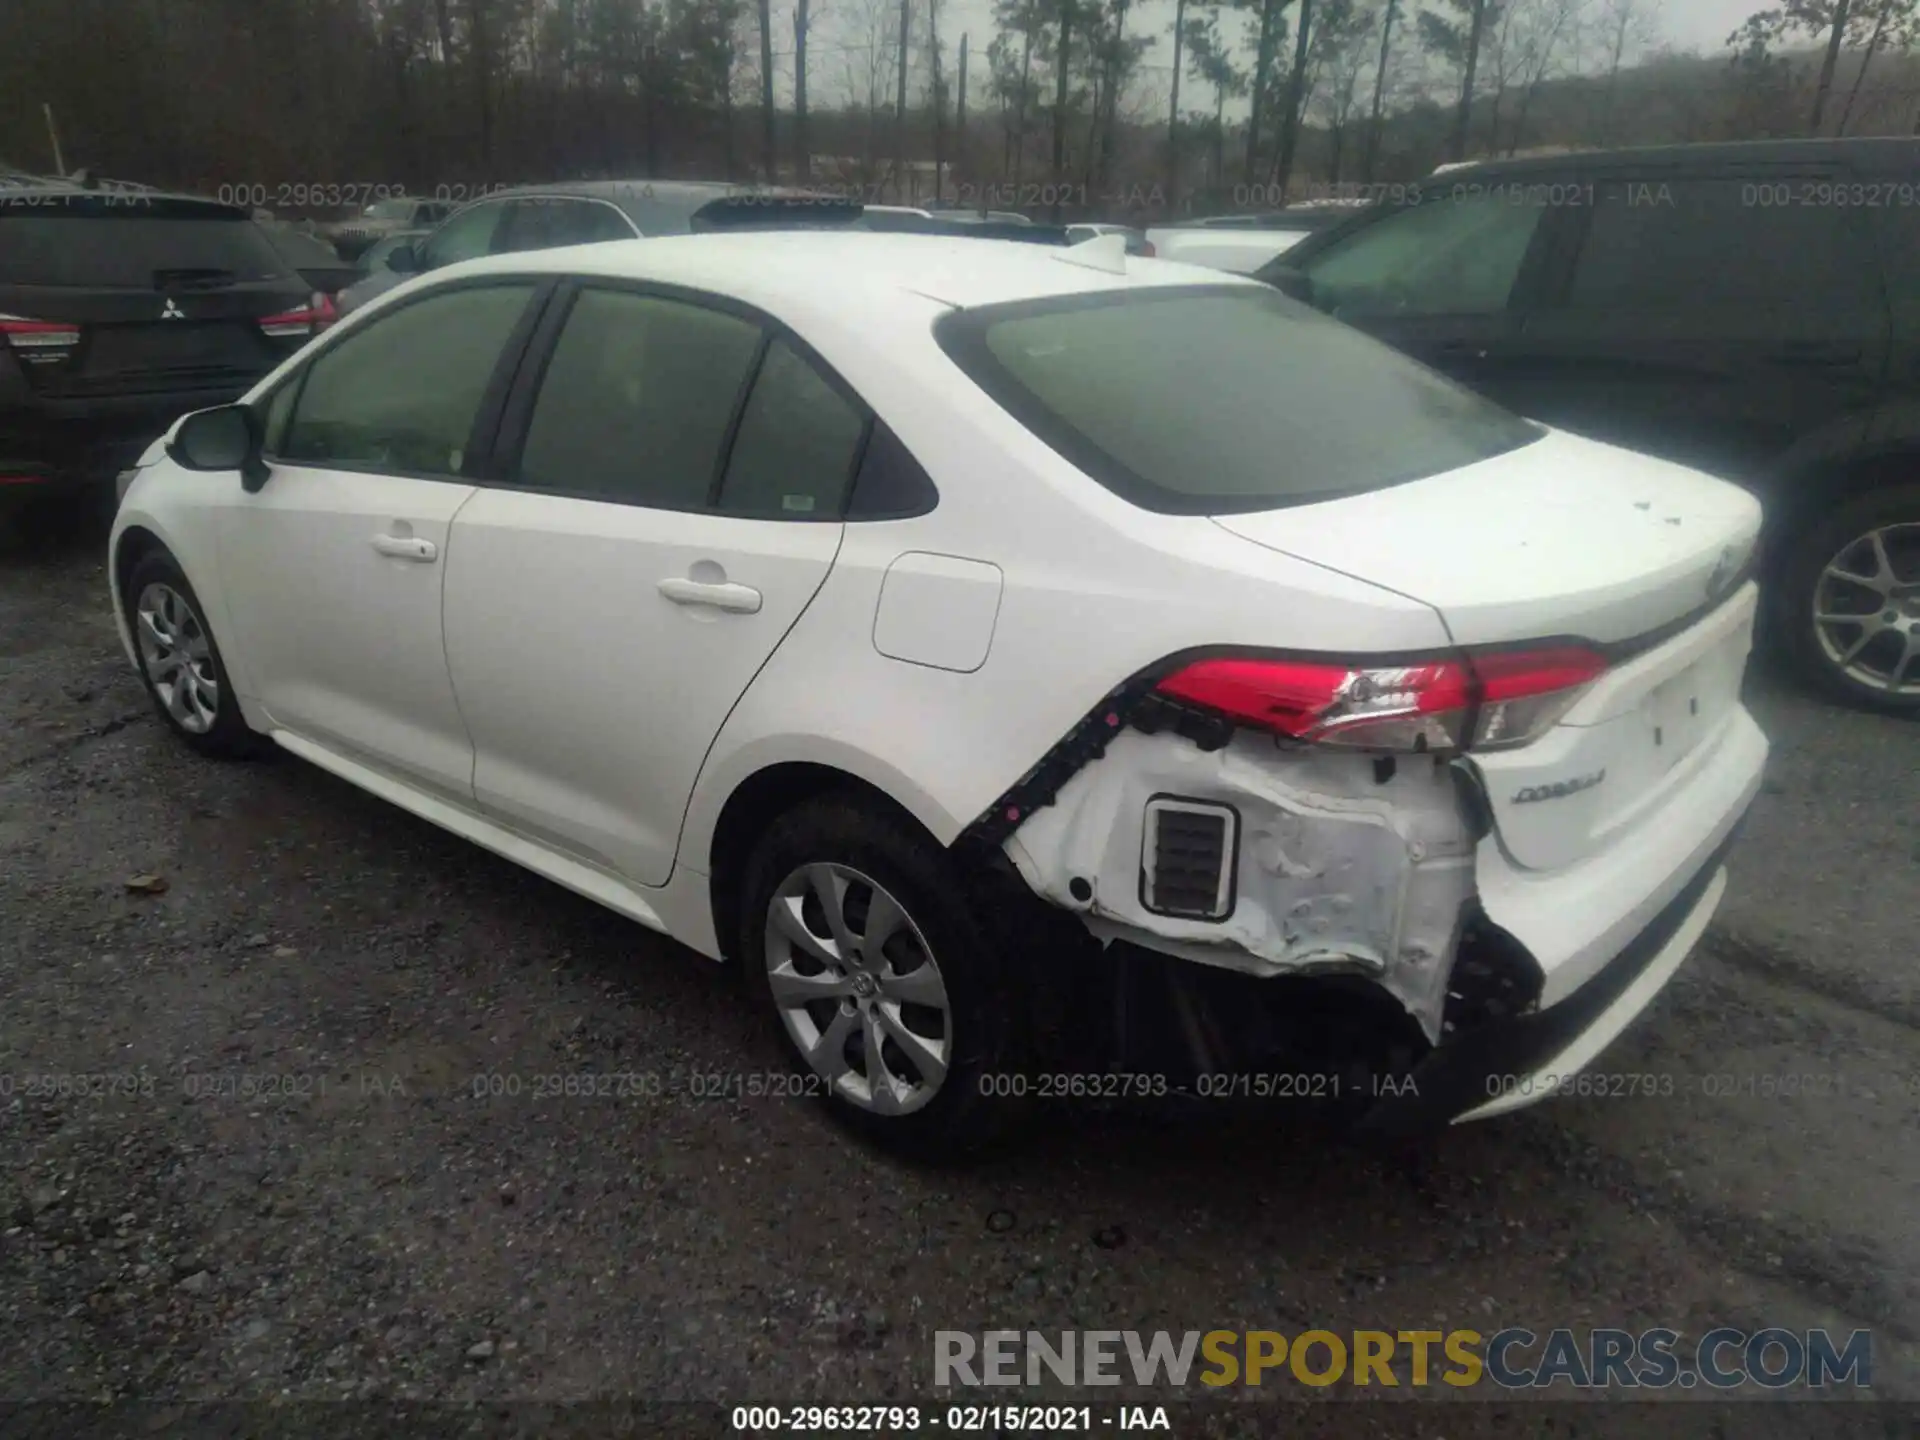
column 1208, row 399
column 121, row 247
column 389, row 210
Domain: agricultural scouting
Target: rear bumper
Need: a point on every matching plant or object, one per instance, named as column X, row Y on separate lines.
column 1508, row 1064
column 93, row 440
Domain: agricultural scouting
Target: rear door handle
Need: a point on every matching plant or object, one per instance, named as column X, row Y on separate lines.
column 407, row 547
column 740, row 599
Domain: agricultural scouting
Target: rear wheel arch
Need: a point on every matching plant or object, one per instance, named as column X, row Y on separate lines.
column 1805, row 494
column 759, row 800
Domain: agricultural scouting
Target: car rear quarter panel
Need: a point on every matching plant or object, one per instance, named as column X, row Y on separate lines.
column 1095, row 591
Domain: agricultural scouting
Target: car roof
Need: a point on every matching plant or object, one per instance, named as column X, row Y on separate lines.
column 775, row 269
column 1890, row 152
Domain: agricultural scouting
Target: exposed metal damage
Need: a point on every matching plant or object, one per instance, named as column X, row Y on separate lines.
column 1345, row 862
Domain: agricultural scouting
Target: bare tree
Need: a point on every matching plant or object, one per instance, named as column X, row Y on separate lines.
column 769, row 161
column 802, row 154
column 1387, row 18
column 1456, row 33
column 1342, row 43
column 1624, row 25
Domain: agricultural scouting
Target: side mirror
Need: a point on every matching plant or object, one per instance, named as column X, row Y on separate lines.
column 1292, row 283
column 225, row 438
column 405, row 260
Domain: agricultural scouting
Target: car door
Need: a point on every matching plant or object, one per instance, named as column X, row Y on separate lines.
column 1714, row 319
column 1443, row 279
column 334, row 567
column 664, row 512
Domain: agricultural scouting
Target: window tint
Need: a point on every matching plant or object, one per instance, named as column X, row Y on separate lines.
column 1446, row 257
column 1216, row 399
column 401, row 393
column 891, row 483
column 122, row 247
column 465, row 236
column 636, row 400
column 794, row 453
column 278, row 411
column 542, row 224
column 1697, row 244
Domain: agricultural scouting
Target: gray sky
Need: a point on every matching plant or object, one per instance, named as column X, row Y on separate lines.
column 1697, row 24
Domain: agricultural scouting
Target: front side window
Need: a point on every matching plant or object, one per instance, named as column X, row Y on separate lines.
column 1452, row 256
column 465, row 236
column 401, row 393
column 1690, row 245
column 636, row 400
column 1215, row 399
column 798, row 441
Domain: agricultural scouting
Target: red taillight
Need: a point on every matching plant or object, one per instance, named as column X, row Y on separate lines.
column 1508, row 697
column 318, row 313
column 1146, row 249
column 38, row 342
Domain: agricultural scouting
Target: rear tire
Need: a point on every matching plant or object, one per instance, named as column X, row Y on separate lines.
column 1857, row 639
column 932, row 993
column 180, row 662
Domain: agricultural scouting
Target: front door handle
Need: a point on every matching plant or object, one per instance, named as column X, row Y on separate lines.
column 407, row 547
column 740, row 599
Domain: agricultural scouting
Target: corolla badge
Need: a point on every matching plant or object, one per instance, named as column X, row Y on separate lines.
column 1559, row 791
column 173, row 311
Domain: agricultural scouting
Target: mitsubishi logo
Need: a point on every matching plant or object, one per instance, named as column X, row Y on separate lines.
column 173, row 311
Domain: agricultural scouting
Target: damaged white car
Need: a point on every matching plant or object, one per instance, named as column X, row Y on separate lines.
column 1042, row 671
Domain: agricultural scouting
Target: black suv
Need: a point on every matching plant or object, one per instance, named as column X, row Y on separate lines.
column 122, row 310
column 1749, row 309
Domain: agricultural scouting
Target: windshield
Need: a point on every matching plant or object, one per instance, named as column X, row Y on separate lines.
column 1211, row 399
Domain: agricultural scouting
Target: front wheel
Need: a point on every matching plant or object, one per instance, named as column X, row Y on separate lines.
column 885, row 988
column 180, row 664
column 1849, row 601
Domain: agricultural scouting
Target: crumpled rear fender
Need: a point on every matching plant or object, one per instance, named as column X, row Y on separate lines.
column 1346, row 862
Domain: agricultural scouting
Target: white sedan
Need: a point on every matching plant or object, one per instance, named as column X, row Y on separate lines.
column 959, row 635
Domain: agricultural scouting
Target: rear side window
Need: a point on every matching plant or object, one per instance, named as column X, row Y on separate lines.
column 1214, row 399
column 1451, row 256
column 125, row 246
column 1713, row 244
column 401, row 393
column 636, row 401
column 798, row 441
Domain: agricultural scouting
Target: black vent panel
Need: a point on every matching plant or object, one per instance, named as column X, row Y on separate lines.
column 1188, row 858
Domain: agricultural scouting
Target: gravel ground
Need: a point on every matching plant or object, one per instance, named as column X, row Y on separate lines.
column 375, row 1231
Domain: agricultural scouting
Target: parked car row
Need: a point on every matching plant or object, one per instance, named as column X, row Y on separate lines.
column 1752, row 310
column 118, row 315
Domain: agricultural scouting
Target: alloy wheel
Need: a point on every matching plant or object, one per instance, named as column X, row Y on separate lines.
column 858, row 989
column 1866, row 610
column 177, row 657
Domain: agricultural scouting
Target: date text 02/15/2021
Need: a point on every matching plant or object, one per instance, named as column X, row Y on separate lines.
column 957, row 1419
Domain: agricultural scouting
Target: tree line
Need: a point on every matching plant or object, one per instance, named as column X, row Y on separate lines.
column 1067, row 98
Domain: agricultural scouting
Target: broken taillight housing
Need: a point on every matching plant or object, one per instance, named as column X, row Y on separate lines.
column 315, row 316
column 38, row 342
column 1487, row 701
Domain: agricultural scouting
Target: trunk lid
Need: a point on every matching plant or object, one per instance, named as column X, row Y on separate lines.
column 1568, row 539
column 1563, row 537
column 166, row 294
